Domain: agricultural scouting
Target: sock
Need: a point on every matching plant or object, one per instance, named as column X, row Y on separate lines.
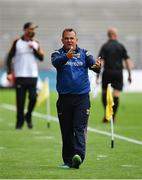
column 104, row 99
column 115, row 107
column 104, row 104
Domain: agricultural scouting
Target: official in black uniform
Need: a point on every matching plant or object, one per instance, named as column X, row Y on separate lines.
column 22, row 62
column 113, row 53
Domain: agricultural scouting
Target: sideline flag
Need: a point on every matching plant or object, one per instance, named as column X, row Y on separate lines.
column 109, row 112
column 43, row 94
column 110, row 103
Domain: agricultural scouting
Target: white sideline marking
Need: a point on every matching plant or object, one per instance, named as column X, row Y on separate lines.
column 53, row 118
column 36, row 132
column 101, row 157
column 44, row 137
column 128, row 166
column 115, row 135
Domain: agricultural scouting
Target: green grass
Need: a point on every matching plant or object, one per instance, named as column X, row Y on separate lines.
column 37, row 153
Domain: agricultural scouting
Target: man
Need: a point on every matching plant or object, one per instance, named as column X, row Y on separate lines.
column 113, row 53
column 72, row 63
column 23, row 55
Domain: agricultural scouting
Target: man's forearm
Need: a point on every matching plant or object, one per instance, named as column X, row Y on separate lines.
column 9, row 69
column 39, row 54
column 59, row 60
column 9, row 64
column 10, row 56
column 128, row 66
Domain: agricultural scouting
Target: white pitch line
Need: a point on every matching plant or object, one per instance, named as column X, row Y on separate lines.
column 44, row 137
column 115, row 135
column 53, row 118
column 128, row 166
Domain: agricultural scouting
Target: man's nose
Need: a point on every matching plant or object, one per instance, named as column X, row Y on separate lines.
column 69, row 40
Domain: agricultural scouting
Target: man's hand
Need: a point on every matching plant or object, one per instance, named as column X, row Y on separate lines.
column 129, row 78
column 128, row 64
column 70, row 53
column 98, row 62
column 31, row 45
column 10, row 78
column 97, row 66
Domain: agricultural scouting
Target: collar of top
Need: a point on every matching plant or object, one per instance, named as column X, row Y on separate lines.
column 23, row 38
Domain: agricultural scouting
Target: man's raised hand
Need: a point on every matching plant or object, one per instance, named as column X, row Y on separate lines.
column 70, row 53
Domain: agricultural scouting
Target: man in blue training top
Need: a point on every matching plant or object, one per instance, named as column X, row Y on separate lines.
column 73, row 104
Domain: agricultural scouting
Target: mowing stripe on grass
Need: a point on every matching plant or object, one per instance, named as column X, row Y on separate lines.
column 1, row 147
column 53, row 118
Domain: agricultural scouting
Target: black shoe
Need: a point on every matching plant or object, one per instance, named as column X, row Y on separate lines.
column 29, row 125
column 18, row 127
column 28, row 121
column 76, row 161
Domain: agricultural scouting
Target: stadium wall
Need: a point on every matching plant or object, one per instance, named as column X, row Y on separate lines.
column 91, row 19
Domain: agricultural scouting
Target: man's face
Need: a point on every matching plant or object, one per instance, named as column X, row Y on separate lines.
column 30, row 32
column 69, row 40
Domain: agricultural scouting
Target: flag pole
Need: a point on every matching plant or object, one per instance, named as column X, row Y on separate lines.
column 48, row 106
column 112, row 133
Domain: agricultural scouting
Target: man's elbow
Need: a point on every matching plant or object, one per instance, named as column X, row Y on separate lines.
column 128, row 63
column 54, row 61
column 55, row 64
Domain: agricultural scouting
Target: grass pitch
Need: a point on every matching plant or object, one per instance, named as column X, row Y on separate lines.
column 36, row 153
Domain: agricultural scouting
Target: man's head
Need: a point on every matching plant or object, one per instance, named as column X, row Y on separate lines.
column 29, row 29
column 112, row 33
column 69, row 38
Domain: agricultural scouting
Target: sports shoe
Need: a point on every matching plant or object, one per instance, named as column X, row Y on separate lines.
column 76, row 161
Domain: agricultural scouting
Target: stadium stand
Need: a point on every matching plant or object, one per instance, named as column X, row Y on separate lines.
column 91, row 19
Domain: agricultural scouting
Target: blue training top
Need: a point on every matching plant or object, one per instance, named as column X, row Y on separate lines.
column 72, row 74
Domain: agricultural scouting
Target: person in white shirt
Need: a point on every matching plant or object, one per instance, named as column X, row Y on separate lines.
column 22, row 63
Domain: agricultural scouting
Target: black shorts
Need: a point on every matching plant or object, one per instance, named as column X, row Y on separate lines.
column 113, row 77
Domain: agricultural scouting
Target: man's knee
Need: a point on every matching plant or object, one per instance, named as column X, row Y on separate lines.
column 116, row 93
column 33, row 97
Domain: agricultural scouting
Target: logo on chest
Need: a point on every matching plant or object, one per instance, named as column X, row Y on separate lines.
column 74, row 63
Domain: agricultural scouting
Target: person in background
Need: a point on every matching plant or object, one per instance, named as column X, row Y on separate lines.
column 73, row 104
column 113, row 54
column 22, row 62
